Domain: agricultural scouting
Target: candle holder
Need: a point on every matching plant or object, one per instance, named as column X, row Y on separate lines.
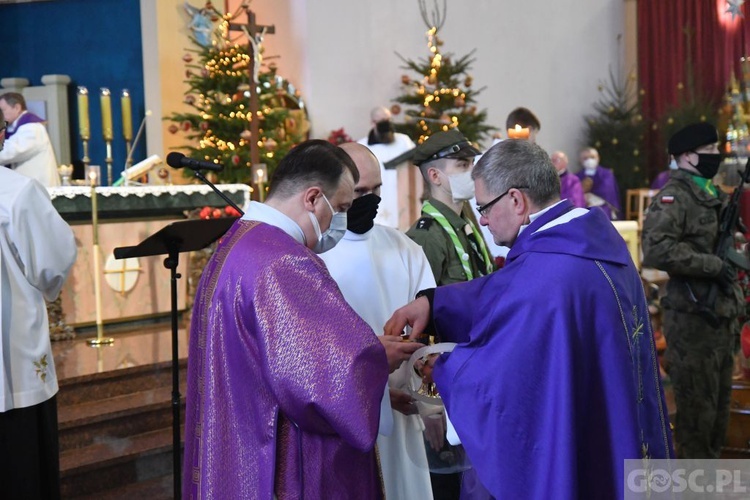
column 94, row 173
column 86, row 160
column 108, row 160
column 260, row 177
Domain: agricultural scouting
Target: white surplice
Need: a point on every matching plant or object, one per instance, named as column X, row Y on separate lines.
column 37, row 250
column 378, row 272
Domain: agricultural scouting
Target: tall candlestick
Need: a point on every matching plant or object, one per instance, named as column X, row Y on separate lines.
column 109, row 160
column 127, row 116
column 84, row 128
column 100, row 340
column 105, row 99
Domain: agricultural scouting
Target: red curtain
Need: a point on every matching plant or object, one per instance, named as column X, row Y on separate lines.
column 716, row 44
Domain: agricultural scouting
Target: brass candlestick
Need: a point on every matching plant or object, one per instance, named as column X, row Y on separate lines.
column 100, row 339
column 108, row 160
column 86, row 159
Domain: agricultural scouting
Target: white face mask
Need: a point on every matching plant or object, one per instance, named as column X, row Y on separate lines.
column 462, row 186
column 673, row 164
column 332, row 235
column 590, row 165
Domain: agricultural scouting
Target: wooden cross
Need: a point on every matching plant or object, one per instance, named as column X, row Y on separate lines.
column 252, row 29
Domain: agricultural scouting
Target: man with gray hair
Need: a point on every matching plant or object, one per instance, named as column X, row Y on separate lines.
column 554, row 375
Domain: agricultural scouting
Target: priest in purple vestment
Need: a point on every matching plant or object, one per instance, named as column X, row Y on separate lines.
column 284, row 379
column 554, row 381
column 570, row 185
column 599, row 184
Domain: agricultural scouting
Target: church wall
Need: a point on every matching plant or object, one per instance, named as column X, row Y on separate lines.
column 547, row 56
column 96, row 43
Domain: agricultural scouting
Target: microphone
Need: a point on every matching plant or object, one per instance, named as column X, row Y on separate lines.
column 179, row 160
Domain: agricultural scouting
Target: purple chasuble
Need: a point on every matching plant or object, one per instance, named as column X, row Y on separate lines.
column 24, row 119
column 555, row 381
column 570, row 189
column 605, row 186
column 660, row 180
column 284, row 379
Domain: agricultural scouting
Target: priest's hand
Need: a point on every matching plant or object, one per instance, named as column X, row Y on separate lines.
column 403, row 402
column 434, row 430
column 397, row 351
column 415, row 314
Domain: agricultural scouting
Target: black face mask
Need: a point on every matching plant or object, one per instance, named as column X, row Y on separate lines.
column 361, row 216
column 383, row 133
column 708, row 164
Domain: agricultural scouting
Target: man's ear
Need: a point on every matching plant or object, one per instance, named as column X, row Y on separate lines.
column 433, row 173
column 520, row 202
column 310, row 195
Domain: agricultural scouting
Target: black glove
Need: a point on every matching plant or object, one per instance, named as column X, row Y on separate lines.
column 727, row 276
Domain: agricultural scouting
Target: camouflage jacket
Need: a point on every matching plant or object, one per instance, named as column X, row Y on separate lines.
column 679, row 236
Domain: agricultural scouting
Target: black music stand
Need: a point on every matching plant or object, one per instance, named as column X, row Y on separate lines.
column 178, row 237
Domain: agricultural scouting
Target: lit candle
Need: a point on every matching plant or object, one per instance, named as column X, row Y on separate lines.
column 518, row 132
column 127, row 116
column 106, row 102
column 83, row 113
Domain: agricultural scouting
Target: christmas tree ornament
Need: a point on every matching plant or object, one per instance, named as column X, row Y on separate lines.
column 246, row 135
column 204, row 126
column 405, row 79
column 270, row 144
column 190, row 99
column 173, row 129
column 187, row 58
column 185, row 125
column 235, row 160
column 395, row 109
column 459, row 102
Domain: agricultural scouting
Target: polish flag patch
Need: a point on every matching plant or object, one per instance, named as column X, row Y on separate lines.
column 667, row 199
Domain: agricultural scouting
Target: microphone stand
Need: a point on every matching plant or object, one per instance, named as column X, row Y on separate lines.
column 224, row 197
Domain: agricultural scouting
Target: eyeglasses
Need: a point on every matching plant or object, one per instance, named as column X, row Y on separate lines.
column 3, row 126
column 485, row 208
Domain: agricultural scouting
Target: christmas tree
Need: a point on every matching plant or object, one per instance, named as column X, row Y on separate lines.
column 218, row 123
column 441, row 97
column 616, row 130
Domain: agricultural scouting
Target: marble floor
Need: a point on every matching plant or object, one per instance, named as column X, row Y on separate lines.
column 134, row 344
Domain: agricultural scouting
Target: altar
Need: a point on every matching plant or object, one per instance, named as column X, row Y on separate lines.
column 133, row 288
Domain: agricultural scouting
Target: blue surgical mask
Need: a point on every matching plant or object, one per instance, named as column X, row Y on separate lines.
column 673, row 164
column 332, row 235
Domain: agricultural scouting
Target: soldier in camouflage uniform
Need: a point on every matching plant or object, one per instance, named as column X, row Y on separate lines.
column 449, row 237
column 452, row 242
column 679, row 236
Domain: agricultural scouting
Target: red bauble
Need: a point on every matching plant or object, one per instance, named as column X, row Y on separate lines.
column 235, row 160
column 173, row 129
column 395, row 109
column 187, row 58
column 190, row 99
column 185, row 125
column 405, row 79
column 204, row 126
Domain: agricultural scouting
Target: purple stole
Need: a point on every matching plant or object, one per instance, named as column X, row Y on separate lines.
column 26, row 117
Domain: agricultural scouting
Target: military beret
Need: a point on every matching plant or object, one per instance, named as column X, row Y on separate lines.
column 450, row 144
column 691, row 137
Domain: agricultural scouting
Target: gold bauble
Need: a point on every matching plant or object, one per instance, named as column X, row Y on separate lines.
column 615, row 141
